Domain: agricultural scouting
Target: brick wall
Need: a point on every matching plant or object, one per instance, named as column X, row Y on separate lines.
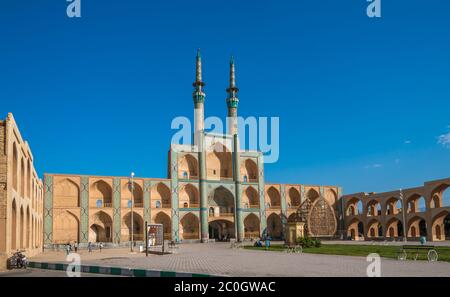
column 3, row 196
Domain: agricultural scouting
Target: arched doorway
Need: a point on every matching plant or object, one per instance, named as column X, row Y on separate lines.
column 361, row 230
column 138, row 227
column 441, row 226
column 417, row 227
column 352, row 229
column 14, row 226
column 190, row 227
column 375, row 229
column 222, row 200
column 221, row 230
column 21, row 229
column 27, row 228
column 101, row 228
column 274, row 226
column 251, row 226
column 164, row 219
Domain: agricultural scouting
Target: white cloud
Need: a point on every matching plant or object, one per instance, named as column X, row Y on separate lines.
column 444, row 139
column 408, row 141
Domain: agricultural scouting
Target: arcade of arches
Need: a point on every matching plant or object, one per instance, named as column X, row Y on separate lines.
column 414, row 213
column 21, row 195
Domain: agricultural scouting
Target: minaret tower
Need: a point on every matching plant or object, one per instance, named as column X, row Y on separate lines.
column 232, row 101
column 199, row 99
column 199, row 127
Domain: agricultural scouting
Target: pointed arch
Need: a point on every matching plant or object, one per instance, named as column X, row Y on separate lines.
column 66, row 194
column 190, row 226
column 138, row 196
column 251, row 226
column 15, row 167
column 393, row 206
column 66, row 228
column 14, row 225
column 222, row 202
column 440, row 196
column 441, row 226
column 22, row 228
column 100, row 227
column 27, row 228
column 312, row 195
column 417, row 227
column 274, row 226
column 416, row 203
column 188, row 167
column 274, row 197
column 250, row 198
column 354, row 207
column 161, row 196
column 394, row 228
column 352, row 229
column 294, row 198
column 164, row 219
column 374, row 229
column 22, row 178
column 137, row 227
column 373, row 208
column 249, row 171
column 101, row 191
column 331, row 197
column 219, row 162
column 189, row 197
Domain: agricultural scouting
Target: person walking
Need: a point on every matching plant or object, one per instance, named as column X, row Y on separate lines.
column 68, row 249
column 90, row 247
column 75, row 246
column 100, row 246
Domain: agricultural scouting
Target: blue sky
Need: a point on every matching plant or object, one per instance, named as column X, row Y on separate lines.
column 362, row 102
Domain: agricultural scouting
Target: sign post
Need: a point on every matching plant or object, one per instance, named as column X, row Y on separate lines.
column 155, row 236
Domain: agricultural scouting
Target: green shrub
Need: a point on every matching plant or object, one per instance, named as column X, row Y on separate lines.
column 317, row 243
column 308, row 242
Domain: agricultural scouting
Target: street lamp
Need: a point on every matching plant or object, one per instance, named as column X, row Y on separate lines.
column 132, row 202
column 404, row 210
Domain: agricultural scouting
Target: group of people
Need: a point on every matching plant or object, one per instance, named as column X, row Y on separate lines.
column 74, row 247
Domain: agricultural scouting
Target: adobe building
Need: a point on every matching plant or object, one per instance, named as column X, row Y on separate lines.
column 410, row 213
column 21, row 195
column 214, row 193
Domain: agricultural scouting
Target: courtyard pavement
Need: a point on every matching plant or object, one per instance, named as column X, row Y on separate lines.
column 220, row 259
